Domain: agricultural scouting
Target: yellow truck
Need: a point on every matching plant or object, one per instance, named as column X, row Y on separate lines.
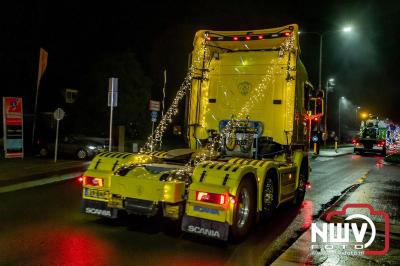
column 247, row 129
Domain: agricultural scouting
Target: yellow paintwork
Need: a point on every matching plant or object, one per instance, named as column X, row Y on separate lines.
column 142, row 184
column 104, row 165
column 245, row 84
column 266, row 75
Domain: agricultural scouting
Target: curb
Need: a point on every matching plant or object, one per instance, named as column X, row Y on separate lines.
column 336, row 155
column 10, row 182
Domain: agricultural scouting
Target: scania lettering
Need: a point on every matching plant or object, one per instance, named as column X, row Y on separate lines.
column 203, row 231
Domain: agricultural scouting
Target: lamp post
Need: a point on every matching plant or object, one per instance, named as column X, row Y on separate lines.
column 340, row 101
column 329, row 84
column 357, row 108
column 321, row 38
column 321, row 35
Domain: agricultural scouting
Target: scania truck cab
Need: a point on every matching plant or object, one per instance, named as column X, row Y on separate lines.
column 247, row 114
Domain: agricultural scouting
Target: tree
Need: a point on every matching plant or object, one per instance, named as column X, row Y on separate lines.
column 134, row 87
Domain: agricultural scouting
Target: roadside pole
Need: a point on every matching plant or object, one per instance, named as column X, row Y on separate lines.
column 112, row 102
column 154, row 107
column 58, row 115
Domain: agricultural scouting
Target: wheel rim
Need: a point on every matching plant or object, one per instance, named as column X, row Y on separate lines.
column 268, row 194
column 243, row 207
column 81, row 154
column 43, row 152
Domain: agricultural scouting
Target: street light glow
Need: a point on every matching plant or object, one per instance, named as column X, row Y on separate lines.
column 347, row 29
column 342, row 97
column 331, row 80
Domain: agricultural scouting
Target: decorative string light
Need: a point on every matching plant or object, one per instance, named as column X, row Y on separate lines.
column 172, row 111
column 217, row 141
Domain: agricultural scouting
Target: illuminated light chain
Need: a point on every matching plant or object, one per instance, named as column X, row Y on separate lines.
column 172, row 111
column 185, row 172
column 286, row 47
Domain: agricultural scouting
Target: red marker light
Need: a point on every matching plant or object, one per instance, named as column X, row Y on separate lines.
column 80, row 179
column 260, row 37
column 233, row 201
column 316, row 119
column 210, row 197
column 248, row 38
column 286, row 34
column 208, row 38
column 235, row 38
column 92, row 181
column 308, row 185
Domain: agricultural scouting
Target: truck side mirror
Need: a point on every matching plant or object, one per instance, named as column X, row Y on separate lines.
column 316, row 106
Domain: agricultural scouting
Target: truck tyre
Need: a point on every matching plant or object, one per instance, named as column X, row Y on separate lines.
column 244, row 210
column 82, row 154
column 269, row 197
column 301, row 189
column 43, row 152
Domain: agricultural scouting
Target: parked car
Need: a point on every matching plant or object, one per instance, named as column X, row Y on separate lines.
column 79, row 147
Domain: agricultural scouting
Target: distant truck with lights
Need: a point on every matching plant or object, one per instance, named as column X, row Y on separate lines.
column 250, row 91
column 376, row 136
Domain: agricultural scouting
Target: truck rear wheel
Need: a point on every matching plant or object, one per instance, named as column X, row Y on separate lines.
column 268, row 197
column 301, row 189
column 244, row 212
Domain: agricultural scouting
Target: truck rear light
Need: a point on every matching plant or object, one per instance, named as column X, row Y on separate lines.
column 211, row 197
column 92, row 181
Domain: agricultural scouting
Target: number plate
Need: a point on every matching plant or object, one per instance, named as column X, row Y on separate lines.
column 96, row 193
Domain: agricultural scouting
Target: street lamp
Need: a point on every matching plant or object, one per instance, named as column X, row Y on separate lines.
column 321, row 35
column 329, row 85
column 357, row 108
column 340, row 101
column 364, row 115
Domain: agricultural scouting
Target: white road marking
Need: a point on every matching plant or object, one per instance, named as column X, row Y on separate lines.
column 324, row 159
column 40, row 182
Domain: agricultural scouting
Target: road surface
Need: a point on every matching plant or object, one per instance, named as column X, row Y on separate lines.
column 43, row 225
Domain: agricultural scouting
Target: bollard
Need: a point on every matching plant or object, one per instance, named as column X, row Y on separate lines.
column 336, row 147
column 315, row 149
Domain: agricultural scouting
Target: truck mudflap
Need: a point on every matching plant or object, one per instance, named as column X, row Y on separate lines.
column 204, row 227
column 98, row 208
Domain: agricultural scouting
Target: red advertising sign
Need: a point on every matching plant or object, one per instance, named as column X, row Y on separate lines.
column 13, row 127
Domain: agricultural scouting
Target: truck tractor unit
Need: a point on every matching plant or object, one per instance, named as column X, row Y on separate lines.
column 247, row 114
column 373, row 137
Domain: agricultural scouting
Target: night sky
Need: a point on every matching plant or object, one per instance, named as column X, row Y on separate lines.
column 364, row 63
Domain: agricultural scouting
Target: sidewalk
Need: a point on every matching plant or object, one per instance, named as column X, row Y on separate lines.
column 381, row 189
column 332, row 153
column 16, row 171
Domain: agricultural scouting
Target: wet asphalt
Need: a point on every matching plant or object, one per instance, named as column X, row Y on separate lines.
column 44, row 226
